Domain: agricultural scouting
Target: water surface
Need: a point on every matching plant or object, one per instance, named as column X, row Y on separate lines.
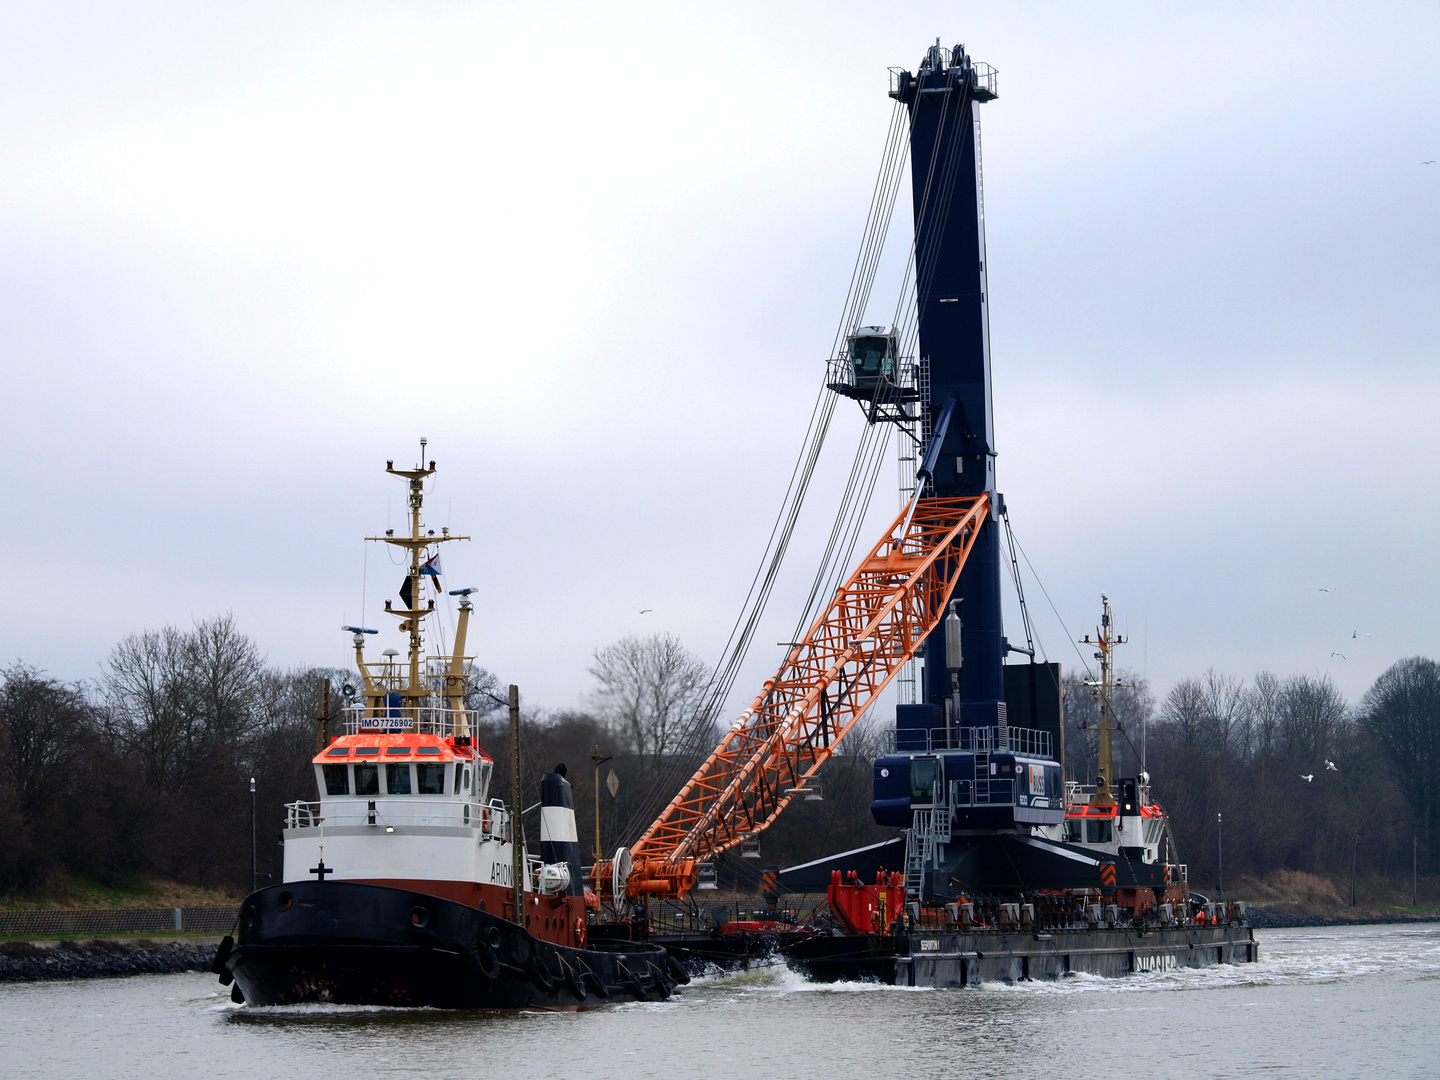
column 1341, row 1002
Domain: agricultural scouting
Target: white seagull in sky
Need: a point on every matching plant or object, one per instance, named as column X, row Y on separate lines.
column 1307, row 777
column 1331, row 765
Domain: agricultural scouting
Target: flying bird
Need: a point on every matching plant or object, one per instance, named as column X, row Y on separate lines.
column 1430, row 162
column 1307, row 777
column 1356, row 634
column 1327, row 590
column 1339, row 654
column 646, row 610
column 1331, row 765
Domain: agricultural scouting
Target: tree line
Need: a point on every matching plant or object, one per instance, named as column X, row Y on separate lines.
column 145, row 771
column 1282, row 773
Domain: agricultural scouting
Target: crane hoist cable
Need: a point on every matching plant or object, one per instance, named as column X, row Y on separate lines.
column 701, row 733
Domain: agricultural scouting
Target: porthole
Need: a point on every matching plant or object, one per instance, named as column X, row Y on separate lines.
column 285, row 899
column 419, row 917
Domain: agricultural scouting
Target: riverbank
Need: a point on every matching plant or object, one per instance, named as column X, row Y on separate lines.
column 26, row 961
column 1272, row 919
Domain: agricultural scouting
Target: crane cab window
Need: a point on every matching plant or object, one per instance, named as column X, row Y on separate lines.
column 397, row 780
column 337, row 779
column 1099, row 832
column 367, row 778
column 923, row 774
column 430, row 779
column 872, row 355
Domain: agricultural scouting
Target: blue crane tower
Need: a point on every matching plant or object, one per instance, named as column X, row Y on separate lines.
column 944, row 401
column 954, row 343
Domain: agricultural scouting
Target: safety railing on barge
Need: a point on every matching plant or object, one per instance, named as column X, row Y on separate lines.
column 969, row 740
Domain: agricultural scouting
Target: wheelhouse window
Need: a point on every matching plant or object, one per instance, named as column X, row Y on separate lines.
column 430, row 779
column 1099, row 832
column 397, row 779
column 367, row 778
column 482, row 780
column 337, row 779
column 1072, row 831
column 458, row 771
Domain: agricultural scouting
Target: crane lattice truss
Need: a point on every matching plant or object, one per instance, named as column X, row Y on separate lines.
column 876, row 622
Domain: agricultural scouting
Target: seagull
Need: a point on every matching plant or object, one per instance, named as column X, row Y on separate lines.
column 1307, row 777
column 1430, row 162
column 646, row 610
column 1339, row 654
column 1331, row 765
column 1327, row 590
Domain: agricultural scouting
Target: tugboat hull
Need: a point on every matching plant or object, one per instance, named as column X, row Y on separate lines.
column 355, row 944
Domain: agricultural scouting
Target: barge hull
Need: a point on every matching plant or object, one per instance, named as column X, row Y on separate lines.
column 954, row 959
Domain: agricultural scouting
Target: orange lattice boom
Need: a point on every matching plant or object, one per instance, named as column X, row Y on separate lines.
column 876, row 622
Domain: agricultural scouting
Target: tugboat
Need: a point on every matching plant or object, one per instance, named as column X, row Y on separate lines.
column 406, row 883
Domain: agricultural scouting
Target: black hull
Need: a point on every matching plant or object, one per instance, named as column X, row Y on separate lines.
column 963, row 958
column 370, row 945
column 951, row 958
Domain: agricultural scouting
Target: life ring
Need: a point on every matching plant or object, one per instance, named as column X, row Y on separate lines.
column 484, row 818
column 1200, row 918
column 580, row 930
column 539, row 976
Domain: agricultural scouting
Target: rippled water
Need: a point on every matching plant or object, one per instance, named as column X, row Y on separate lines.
column 1344, row 1002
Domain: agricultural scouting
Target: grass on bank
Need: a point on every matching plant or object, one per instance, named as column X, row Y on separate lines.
column 1313, row 895
column 64, row 892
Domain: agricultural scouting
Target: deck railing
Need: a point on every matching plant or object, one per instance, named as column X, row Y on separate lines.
column 410, row 719
column 492, row 819
column 970, row 740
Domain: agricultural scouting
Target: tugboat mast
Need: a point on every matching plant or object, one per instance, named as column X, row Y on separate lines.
column 381, row 693
column 1104, row 691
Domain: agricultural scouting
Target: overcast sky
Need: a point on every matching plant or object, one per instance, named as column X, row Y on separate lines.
column 249, row 252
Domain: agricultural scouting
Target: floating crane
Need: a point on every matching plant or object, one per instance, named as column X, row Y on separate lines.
column 945, row 540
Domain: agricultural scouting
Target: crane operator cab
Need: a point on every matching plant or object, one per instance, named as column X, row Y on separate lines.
column 872, row 357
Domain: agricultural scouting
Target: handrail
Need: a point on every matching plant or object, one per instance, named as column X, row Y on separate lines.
column 409, row 811
column 978, row 740
column 409, row 719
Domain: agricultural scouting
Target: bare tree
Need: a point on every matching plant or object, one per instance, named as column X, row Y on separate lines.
column 42, row 727
column 1402, row 711
column 648, row 690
